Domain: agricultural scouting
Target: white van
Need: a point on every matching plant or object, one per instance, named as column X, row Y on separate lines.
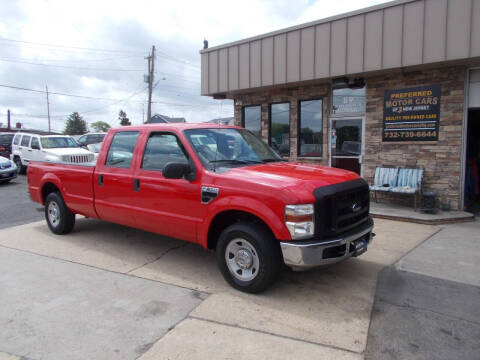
column 52, row 148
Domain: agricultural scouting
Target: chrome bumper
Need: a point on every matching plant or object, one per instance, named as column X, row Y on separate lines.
column 301, row 255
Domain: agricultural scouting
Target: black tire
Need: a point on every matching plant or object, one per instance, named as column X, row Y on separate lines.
column 59, row 218
column 265, row 247
column 21, row 168
column 5, row 181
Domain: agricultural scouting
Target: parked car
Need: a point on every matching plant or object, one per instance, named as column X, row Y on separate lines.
column 8, row 170
column 90, row 138
column 6, row 144
column 256, row 210
column 51, row 148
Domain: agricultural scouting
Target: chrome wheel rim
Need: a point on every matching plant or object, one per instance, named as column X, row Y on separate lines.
column 53, row 212
column 242, row 259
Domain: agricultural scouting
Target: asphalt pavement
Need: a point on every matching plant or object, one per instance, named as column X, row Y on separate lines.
column 16, row 207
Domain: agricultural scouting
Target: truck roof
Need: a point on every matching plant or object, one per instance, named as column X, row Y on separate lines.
column 177, row 126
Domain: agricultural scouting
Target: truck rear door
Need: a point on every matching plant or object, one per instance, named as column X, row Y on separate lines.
column 113, row 181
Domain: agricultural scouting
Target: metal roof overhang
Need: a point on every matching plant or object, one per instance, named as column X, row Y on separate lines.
column 395, row 35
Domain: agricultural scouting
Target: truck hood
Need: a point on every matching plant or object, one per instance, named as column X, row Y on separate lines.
column 67, row 151
column 300, row 178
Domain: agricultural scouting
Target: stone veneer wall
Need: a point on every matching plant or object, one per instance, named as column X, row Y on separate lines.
column 440, row 159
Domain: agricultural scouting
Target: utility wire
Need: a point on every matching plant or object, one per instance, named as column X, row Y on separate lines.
column 97, row 98
column 68, row 67
column 72, row 47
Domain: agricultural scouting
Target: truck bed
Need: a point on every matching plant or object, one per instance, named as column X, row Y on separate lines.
column 74, row 181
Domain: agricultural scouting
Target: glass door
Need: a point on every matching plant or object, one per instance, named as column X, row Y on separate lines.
column 346, row 143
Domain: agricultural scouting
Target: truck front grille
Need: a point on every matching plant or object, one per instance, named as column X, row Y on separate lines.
column 78, row 159
column 340, row 207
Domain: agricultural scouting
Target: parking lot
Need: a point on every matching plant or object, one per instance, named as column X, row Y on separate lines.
column 111, row 292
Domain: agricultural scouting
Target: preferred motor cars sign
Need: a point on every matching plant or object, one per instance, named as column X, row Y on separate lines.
column 412, row 114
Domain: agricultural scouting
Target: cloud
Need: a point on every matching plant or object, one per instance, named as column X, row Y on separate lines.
column 177, row 28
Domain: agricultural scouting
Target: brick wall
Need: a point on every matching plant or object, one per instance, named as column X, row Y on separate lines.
column 440, row 159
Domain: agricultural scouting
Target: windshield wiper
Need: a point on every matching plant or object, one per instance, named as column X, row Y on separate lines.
column 271, row 160
column 235, row 161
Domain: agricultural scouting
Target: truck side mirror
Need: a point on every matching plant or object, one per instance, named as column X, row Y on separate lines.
column 176, row 170
column 36, row 147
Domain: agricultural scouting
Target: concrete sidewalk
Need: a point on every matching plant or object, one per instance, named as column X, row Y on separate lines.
column 427, row 305
column 320, row 314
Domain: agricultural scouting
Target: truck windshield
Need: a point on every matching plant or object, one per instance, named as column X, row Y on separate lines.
column 229, row 147
column 58, row 142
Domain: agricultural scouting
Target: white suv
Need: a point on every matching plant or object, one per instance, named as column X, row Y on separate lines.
column 52, row 148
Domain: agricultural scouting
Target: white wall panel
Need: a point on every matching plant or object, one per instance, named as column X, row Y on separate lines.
column 355, row 44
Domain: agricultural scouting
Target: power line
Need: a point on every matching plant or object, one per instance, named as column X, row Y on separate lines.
column 68, row 67
column 98, row 98
column 72, row 47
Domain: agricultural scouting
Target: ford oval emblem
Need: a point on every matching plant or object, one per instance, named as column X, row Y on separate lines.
column 356, row 207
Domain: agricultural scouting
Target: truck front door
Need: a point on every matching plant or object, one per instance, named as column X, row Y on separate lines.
column 170, row 207
column 115, row 198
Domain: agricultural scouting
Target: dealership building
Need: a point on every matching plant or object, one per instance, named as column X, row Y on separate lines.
column 393, row 85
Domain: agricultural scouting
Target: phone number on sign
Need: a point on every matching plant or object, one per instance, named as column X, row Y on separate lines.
column 411, row 134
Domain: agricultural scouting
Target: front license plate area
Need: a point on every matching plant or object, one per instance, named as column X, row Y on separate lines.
column 359, row 246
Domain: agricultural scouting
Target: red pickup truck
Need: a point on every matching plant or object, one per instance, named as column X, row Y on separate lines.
column 220, row 187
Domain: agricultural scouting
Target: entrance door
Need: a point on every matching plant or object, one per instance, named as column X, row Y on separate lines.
column 346, row 143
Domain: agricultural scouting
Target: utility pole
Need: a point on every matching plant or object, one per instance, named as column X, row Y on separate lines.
column 151, row 68
column 48, row 110
column 8, row 119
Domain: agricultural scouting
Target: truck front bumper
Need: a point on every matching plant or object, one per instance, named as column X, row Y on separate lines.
column 301, row 255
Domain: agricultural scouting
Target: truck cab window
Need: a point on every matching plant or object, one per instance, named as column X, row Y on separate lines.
column 162, row 149
column 121, row 149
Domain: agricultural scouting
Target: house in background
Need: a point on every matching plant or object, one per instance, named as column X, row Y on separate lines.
column 222, row 121
column 159, row 119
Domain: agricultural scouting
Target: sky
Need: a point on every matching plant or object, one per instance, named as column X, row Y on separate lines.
column 95, row 50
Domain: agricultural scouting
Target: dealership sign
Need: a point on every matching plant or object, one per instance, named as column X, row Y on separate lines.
column 412, row 114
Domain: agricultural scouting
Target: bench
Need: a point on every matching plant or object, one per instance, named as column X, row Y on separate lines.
column 398, row 181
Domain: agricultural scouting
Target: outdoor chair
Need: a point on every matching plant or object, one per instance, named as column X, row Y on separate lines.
column 409, row 182
column 384, row 180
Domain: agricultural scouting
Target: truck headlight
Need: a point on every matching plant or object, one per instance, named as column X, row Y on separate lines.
column 299, row 220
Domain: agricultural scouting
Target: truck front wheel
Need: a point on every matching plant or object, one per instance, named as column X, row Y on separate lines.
column 59, row 218
column 248, row 256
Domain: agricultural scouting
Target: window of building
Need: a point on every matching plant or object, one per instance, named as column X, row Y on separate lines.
column 121, row 149
column 25, row 140
column 280, row 128
column 348, row 101
column 310, row 128
column 252, row 119
column 162, row 149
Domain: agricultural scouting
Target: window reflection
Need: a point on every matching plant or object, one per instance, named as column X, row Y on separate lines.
column 311, row 128
column 280, row 128
column 252, row 119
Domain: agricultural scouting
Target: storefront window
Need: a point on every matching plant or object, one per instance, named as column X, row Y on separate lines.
column 310, row 128
column 252, row 119
column 348, row 101
column 280, row 128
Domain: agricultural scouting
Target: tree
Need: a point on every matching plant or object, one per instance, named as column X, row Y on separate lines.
column 124, row 120
column 75, row 125
column 100, row 126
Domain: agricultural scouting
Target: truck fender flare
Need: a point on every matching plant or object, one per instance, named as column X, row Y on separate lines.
column 248, row 205
column 51, row 178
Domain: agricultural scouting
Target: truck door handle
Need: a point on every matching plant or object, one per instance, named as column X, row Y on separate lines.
column 100, row 180
column 29, row 150
column 136, row 185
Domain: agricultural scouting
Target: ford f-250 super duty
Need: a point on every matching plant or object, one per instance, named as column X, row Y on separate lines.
column 220, row 187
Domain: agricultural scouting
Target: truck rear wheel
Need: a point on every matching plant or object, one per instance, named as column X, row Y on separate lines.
column 59, row 218
column 248, row 256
